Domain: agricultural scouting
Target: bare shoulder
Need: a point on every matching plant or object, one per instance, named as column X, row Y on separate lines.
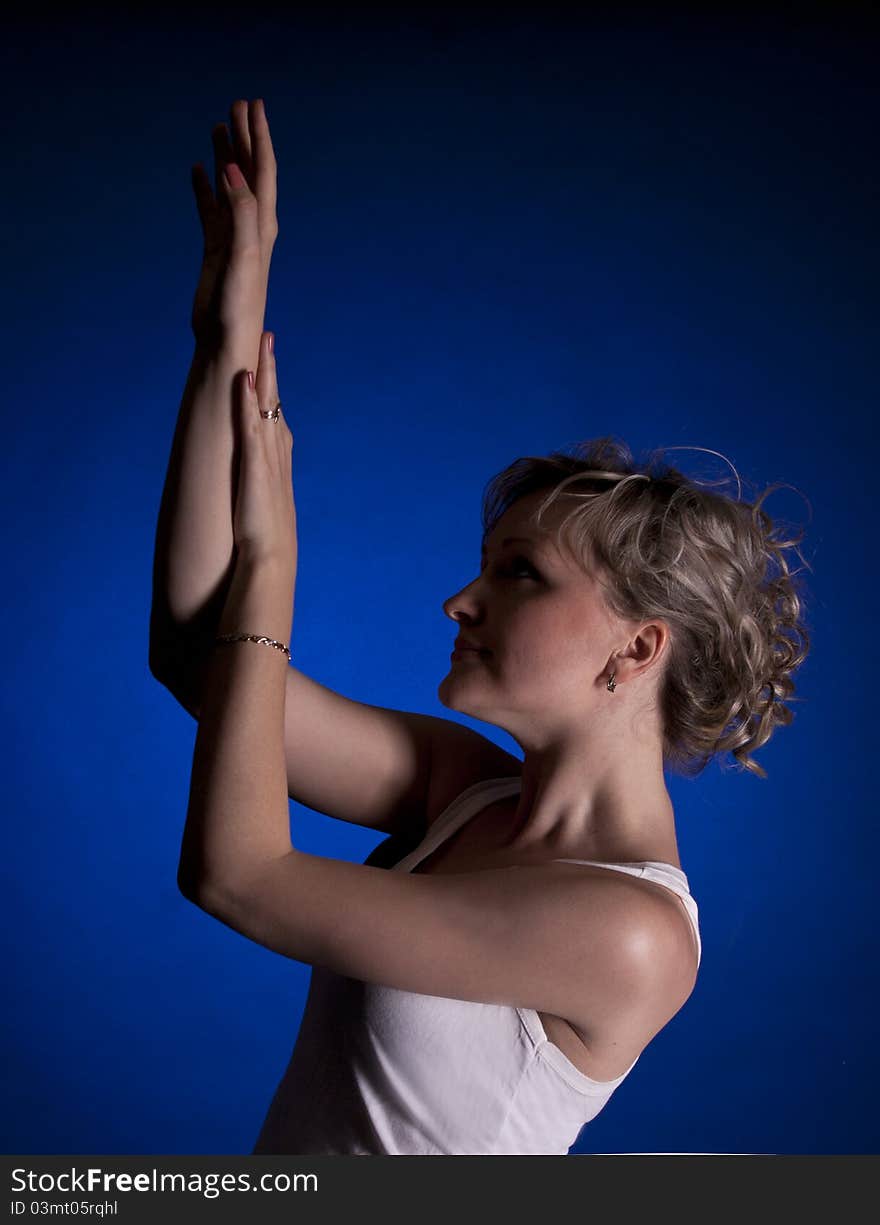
column 651, row 964
column 461, row 757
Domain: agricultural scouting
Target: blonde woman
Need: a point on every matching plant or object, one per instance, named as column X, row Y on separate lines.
column 486, row 980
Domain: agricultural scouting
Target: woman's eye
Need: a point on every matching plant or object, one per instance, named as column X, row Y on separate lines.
column 518, row 568
column 520, row 564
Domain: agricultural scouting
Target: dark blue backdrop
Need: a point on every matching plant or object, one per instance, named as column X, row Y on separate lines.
column 497, row 237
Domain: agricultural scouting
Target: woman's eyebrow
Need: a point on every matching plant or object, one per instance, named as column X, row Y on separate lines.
column 509, row 540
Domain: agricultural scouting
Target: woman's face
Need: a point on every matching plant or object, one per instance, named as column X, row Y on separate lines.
column 542, row 623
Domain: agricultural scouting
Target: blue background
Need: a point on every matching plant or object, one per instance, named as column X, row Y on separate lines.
column 498, row 236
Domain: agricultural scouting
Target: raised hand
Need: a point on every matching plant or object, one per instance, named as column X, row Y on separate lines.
column 240, row 227
column 264, row 516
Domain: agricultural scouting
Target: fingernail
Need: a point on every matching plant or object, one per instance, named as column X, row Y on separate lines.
column 271, row 342
column 251, row 379
column 234, row 177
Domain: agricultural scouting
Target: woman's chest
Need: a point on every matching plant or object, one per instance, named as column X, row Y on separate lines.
column 481, row 845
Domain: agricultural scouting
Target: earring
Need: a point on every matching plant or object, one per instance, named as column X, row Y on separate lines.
column 612, row 683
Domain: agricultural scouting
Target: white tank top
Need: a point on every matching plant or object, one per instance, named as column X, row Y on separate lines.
column 380, row 1071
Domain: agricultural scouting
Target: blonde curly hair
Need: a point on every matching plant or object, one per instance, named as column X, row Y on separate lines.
column 665, row 545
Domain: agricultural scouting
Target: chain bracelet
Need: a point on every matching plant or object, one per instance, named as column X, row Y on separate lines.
column 271, row 642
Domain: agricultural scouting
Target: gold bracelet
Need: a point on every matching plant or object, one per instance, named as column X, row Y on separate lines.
column 270, row 642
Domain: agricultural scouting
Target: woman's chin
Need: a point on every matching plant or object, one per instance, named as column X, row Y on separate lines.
column 447, row 690
column 451, row 693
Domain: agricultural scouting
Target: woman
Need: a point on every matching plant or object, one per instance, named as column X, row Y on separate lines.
column 489, row 993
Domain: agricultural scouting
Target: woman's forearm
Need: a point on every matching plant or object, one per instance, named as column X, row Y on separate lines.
column 238, row 816
column 193, row 560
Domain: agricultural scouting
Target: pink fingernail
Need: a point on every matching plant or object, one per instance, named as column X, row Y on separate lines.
column 271, row 342
column 234, row 177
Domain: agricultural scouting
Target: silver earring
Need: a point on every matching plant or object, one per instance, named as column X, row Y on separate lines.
column 612, row 683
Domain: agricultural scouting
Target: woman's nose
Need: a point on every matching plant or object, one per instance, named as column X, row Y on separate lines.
column 462, row 601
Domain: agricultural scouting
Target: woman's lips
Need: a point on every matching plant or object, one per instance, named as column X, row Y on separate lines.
column 468, row 653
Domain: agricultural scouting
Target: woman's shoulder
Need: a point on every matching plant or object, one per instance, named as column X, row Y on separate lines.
column 651, row 962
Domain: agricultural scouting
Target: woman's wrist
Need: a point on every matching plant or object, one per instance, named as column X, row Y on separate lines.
column 260, row 598
column 254, row 564
column 235, row 347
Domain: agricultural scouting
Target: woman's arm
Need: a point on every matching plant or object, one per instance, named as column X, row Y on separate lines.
column 237, row 817
column 193, row 559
